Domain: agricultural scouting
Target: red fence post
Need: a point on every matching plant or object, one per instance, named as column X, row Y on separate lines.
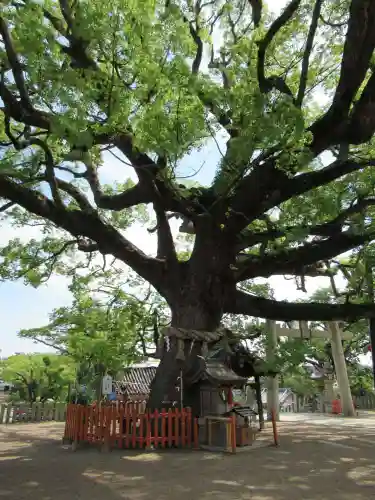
column 113, row 425
column 121, row 430
column 148, row 430
column 86, row 424
column 91, row 423
column 76, row 423
column 156, row 428
column 127, row 428
column 183, row 427
column 67, row 423
column 134, row 429
column 163, row 427
column 189, row 428
column 176, row 427
column 107, row 428
column 170, row 428
column 196, row 434
column 141, row 429
column 234, row 433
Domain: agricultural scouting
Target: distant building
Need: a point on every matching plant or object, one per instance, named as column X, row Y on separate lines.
column 286, row 397
column 134, row 384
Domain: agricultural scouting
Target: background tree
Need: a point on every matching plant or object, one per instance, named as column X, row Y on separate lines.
column 315, row 355
column 103, row 331
column 301, row 383
column 294, row 187
column 38, row 377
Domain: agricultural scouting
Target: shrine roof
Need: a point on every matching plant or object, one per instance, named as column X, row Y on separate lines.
column 137, row 380
column 221, row 374
column 214, row 371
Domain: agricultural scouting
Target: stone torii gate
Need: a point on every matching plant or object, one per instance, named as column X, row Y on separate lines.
column 331, row 332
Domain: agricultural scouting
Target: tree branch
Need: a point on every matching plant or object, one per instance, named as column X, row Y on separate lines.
column 5, row 207
column 84, row 224
column 14, row 109
column 166, row 248
column 293, row 261
column 248, row 239
column 268, row 187
column 49, row 344
column 358, row 49
column 50, row 171
column 240, row 302
column 76, row 194
column 361, row 126
column 15, row 65
column 198, row 42
column 256, row 6
column 274, row 82
column 307, row 52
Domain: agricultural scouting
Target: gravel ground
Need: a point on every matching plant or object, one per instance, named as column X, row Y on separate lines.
column 316, row 460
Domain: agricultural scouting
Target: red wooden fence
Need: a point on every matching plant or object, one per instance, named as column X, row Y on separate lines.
column 129, row 406
column 123, row 427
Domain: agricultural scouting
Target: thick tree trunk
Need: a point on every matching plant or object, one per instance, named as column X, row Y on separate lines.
column 163, row 389
column 196, row 293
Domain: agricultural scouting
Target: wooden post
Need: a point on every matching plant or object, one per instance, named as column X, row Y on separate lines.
column 274, row 429
column 258, row 392
column 230, row 398
column 272, row 382
column 328, row 395
column 234, row 433
column 341, row 371
column 196, row 434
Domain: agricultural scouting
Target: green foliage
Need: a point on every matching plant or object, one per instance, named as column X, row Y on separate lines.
column 300, row 382
column 38, row 377
column 360, row 379
column 103, row 331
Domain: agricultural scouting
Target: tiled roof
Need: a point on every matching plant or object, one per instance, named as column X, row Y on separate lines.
column 219, row 373
column 213, row 370
column 138, row 380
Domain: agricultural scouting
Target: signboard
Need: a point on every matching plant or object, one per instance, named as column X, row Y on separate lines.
column 106, row 385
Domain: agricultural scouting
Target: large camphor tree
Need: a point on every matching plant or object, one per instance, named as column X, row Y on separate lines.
column 293, row 94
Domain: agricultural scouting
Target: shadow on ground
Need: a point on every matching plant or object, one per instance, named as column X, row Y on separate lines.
column 312, row 463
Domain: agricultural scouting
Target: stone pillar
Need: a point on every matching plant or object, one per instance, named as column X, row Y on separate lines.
column 341, row 371
column 272, row 382
column 328, row 395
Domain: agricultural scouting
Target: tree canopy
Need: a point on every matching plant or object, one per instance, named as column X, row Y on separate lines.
column 104, row 327
column 152, row 81
column 38, row 377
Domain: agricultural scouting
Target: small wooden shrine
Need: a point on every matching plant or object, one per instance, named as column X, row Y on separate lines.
column 212, row 364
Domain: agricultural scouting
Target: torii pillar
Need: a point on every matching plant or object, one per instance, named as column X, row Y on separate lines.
column 341, row 371
column 272, row 382
column 333, row 332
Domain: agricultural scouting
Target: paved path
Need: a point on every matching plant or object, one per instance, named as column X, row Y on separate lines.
column 315, row 461
column 364, row 419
